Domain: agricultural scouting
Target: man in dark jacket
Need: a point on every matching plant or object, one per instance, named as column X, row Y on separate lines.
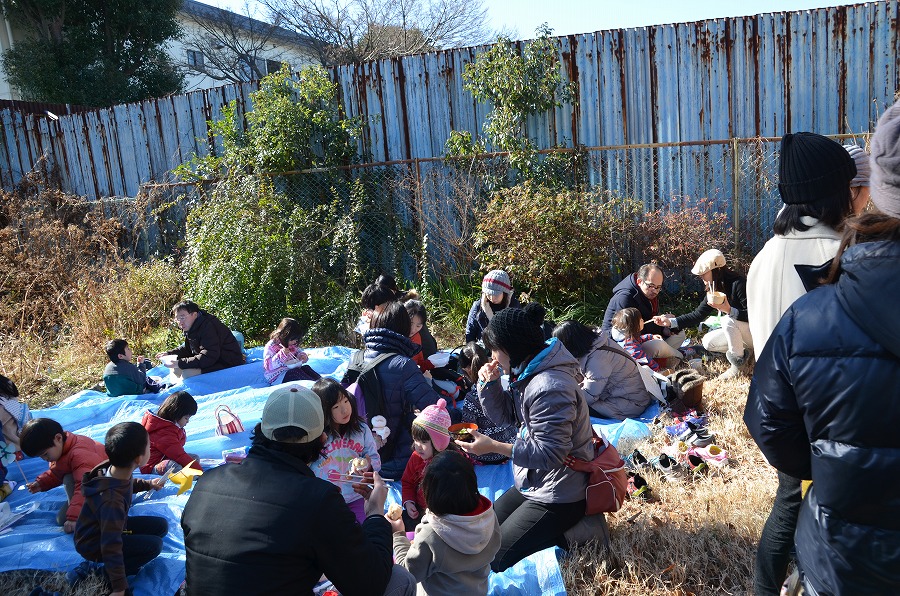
column 208, row 344
column 641, row 291
column 269, row 526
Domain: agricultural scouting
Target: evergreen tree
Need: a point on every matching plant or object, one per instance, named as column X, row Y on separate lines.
column 92, row 52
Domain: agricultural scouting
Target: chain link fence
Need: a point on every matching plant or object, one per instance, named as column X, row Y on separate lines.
column 403, row 203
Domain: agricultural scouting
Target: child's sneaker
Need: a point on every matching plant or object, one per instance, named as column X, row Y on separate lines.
column 696, row 463
column 712, row 455
column 84, row 570
column 701, row 438
column 638, row 487
column 636, row 460
column 668, row 467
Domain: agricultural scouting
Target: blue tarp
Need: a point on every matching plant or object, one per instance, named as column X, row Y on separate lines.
column 36, row 542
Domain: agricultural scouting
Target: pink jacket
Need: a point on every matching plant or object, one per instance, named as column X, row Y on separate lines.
column 273, row 366
column 80, row 455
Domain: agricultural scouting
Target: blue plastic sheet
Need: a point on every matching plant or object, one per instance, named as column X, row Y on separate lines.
column 36, row 542
column 630, row 429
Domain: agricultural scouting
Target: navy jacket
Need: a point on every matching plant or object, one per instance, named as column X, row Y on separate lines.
column 404, row 387
column 825, row 404
column 627, row 294
column 477, row 321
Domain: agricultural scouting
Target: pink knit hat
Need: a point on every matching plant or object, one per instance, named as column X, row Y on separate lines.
column 435, row 420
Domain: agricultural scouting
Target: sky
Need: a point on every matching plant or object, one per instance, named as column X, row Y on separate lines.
column 585, row 16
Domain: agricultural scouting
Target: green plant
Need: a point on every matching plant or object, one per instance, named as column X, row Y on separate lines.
column 254, row 256
column 555, row 244
column 516, row 85
column 295, row 124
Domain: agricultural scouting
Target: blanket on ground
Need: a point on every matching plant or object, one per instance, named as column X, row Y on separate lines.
column 36, row 542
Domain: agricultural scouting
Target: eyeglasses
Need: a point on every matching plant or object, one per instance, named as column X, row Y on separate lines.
column 181, row 318
column 651, row 286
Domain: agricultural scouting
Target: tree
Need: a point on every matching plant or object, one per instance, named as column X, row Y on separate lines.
column 233, row 45
column 295, row 124
column 516, row 85
column 92, row 52
column 356, row 30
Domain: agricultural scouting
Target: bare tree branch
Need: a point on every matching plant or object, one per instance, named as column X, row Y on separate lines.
column 357, row 30
column 233, row 46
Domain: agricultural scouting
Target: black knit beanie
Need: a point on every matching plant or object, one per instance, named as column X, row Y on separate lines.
column 7, row 387
column 812, row 167
column 516, row 333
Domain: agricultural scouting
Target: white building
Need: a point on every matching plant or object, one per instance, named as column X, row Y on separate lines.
column 282, row 46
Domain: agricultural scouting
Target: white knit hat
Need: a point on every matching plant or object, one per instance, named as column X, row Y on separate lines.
column 711, row 259
column 861, row 158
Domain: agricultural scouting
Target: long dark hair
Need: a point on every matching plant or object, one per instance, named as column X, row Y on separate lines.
column 866, row 227
column 331, row 392
column 577, row 338
column 393, row 317
column 830, row 210
column 288, row 329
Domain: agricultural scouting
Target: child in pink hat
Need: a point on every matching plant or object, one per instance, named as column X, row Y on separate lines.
column 430, row 437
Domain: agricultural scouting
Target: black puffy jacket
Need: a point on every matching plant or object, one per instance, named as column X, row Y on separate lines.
column 825, row 404
column 627, row 294
column 269, row 526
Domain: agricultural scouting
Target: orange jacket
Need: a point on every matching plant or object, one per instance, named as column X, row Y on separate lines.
column 80, row 455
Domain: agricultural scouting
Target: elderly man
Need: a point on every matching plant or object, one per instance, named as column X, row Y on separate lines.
column 208, row 344
column 270, row 526
column 641, row 291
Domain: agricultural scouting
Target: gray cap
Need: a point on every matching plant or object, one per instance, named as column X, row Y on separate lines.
column 885, row 162
column 293, row 405
column 861, row 158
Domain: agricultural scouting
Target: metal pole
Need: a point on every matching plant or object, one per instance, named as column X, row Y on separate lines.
column 735, row 200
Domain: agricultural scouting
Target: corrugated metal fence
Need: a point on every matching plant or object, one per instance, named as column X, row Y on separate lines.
column 831, row 70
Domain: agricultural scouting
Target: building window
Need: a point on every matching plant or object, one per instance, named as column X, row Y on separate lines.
column 195, row 58
column 273, row 66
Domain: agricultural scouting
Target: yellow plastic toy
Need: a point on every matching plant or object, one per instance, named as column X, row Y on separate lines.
column 184, row 477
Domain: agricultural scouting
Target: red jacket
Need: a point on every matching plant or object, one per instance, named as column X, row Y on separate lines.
column 167, row 441
column 421, row 361
column 411, row 481
column 80, row 455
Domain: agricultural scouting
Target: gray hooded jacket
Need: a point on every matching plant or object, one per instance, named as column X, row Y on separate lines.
column 551, row 410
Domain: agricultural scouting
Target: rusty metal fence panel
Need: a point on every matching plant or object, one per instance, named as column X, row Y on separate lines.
column 829, row 70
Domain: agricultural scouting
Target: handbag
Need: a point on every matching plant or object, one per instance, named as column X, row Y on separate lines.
column 227, row 422
column 607, row 480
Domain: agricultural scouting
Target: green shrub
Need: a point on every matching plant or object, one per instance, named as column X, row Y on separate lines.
column 556, row 245
column 253, row 257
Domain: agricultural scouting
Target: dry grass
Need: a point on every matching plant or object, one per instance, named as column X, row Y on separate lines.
column 23, row 581
column 694, row 537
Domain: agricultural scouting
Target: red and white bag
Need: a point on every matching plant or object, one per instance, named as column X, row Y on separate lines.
column 227, row 422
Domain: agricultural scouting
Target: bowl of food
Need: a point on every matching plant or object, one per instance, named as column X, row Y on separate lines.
column 463, row 431
column 715, row 297
column 169, row 360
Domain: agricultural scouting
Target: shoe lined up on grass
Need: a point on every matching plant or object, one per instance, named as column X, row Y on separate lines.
column 638, row 487
column 713, row 455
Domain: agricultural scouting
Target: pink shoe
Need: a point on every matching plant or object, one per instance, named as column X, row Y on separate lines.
column 712, row 455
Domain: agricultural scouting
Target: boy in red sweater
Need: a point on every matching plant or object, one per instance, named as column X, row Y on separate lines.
column 71, row 456
column 105, row 533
